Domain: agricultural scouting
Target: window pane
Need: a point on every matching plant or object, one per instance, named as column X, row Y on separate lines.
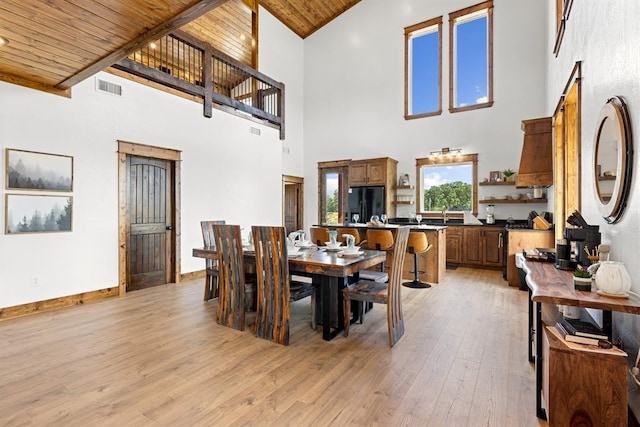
column 332, row 181
column 471, row 62
column 424, row 73
column 449, row 186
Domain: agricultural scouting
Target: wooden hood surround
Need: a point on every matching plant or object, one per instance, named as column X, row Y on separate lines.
column 536, row 161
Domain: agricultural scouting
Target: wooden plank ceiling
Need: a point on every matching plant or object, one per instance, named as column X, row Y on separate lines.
column 55, row 44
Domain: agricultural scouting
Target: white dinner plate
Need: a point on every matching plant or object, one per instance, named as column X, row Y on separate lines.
column 306, row 246
column 294, row 255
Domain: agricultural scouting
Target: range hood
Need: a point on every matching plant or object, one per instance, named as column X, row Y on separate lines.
column 536, row 160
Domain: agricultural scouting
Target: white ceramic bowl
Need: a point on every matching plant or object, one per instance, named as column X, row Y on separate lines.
column 332, row 245
column 515, row 196
column 293, row 249
column 352, row 250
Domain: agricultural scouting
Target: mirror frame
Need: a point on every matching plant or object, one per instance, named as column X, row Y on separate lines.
column 615, row 110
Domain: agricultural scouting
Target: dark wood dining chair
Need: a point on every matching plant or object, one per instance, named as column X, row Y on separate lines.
column 211, row 267
column 272, row 268
column 382, row 293
column 232, row 295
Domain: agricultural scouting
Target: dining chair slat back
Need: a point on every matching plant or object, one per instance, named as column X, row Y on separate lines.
column 211, row 267
column 232, row 297
column 383, row 293
column 272, row 268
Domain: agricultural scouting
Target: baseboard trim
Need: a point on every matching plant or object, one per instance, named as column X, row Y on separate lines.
column 193, row 275
column 56, row 303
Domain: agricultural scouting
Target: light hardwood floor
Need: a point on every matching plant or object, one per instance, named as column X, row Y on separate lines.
column 157, row 357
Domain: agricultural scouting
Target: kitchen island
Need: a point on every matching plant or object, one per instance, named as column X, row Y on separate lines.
column 433, row 262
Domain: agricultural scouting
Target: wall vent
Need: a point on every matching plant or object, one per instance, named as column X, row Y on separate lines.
column 108, row 87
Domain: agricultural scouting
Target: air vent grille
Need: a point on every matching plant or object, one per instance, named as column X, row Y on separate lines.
column 108, row 87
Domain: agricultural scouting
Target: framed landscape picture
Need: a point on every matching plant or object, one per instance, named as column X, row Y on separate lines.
column 29, row 170
column 27, row 213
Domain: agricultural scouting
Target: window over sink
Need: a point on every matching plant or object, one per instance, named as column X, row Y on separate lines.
column 447, row 184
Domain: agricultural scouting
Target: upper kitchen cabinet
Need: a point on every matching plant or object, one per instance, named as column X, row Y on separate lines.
column 381, row 171
column 536, row 161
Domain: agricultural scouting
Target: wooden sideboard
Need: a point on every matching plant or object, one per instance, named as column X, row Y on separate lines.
column 566, row 375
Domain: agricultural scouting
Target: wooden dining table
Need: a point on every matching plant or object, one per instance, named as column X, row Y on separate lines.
column 329, row 271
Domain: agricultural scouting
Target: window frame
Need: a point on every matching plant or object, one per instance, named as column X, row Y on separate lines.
column 459, row 15
column 341, row 167
column 442, row 161
column 408, row 31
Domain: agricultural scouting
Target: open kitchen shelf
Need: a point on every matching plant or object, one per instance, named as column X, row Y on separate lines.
column 495, row 201
column 498, row 183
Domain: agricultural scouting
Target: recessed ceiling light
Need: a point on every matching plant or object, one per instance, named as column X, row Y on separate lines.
column 3, row 41
column 242, row 37
column 152, row 45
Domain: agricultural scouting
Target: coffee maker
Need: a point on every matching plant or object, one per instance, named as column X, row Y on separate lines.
column 586, row 237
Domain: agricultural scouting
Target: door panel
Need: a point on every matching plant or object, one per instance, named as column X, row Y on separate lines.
column 149, row 198
column 291, row 207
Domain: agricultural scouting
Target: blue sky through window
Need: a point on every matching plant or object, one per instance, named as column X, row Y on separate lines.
column 471, row 62
column 424, row 72
column 433, row 176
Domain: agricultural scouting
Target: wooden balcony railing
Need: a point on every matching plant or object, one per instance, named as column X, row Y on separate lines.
column 186, row 64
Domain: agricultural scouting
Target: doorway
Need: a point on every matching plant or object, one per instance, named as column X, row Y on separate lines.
column 148, row 222
column 292, row 197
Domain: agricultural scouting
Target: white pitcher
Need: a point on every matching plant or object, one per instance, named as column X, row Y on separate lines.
column 613, row 278
column 333, row 237
column 351, row 240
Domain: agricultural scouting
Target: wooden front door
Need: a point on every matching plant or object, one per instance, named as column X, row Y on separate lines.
column 150, row 222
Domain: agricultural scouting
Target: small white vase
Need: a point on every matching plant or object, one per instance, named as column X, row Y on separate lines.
column 613, row 278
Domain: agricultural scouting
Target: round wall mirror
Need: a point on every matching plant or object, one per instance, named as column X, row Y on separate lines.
column 613, row 150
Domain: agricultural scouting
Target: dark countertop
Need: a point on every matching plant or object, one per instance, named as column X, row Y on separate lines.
column 414, row 226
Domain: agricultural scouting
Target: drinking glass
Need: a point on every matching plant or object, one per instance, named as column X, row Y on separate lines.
column 356, row 217
column 383, row 218
column 418, row 219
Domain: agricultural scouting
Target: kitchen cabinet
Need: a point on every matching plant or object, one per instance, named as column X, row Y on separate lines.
column 454, row 244
column 376, row 172
column 521, row 239
column 381, row 171
column 482, row 246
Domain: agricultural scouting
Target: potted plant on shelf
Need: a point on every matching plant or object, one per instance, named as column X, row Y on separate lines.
column 582, row 279
column 509, row 175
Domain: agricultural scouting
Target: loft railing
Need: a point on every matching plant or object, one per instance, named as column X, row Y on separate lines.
column 186, row 64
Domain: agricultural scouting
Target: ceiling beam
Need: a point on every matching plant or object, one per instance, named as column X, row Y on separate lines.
column 161, row 30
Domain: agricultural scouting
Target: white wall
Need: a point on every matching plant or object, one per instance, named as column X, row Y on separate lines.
column 222, row 163
column 281, row 53
column 604, row 35
column 354, row 91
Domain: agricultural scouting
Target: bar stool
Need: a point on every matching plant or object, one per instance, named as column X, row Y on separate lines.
column 380, row 240
column 417, row 245
column 319, row 235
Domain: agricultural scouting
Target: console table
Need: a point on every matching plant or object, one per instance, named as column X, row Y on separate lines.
column 551, row 286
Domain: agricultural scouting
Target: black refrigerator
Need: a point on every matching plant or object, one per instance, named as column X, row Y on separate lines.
column 366, row 201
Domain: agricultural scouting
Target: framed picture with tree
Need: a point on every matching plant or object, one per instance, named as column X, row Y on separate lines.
column 30, row 170
column 27, row 213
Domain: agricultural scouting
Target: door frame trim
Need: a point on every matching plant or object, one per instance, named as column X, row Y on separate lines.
column 126, row 148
